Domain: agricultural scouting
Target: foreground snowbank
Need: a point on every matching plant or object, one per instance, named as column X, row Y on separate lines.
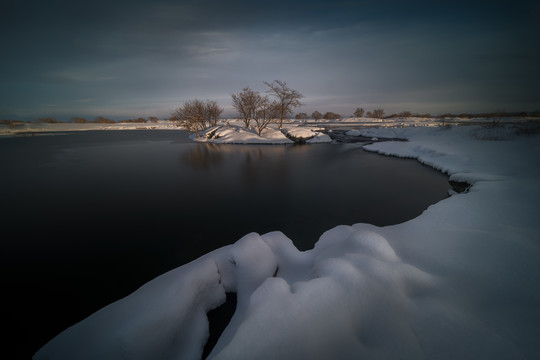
column 460, row 281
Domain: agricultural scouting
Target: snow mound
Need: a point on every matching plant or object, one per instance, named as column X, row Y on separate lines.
column 239, row 134
column 319, row 138
column 275, row 283
column 336, row 312
column 301, row 132
column 310, row 135
column 235, row 134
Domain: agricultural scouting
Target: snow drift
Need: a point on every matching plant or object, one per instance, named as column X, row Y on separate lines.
column 232, row 133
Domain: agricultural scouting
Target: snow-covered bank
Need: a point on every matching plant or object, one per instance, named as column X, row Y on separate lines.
column 61, row 127
column 460, row 281
column 238, row 134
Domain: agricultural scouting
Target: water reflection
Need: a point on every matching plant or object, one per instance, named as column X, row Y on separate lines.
column 203, row 156
column 248, row 166
column 206, row 155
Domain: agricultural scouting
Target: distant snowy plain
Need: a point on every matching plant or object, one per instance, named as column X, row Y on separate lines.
column 461, row 281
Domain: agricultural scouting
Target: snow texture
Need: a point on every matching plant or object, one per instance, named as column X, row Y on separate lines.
column 234, row 133
column 461, row 281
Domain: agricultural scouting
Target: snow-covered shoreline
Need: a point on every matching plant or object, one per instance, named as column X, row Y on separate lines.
column 233, row 131
column 272, row 135
column 41, row 128
column 460, row 281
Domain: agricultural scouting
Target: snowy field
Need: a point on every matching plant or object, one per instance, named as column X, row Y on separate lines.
column 41, row 128
column 461, row 281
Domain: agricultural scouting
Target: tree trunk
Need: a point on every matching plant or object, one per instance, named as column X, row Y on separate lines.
column 281, row 118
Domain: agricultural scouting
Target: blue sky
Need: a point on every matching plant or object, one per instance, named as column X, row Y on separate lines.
column 125, row 59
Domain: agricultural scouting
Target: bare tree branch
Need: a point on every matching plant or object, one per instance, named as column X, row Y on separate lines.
column 197, row 115
column 287, row 98
column 213, row 112
column 246, row 103
column 359, row 112
column 266, row 112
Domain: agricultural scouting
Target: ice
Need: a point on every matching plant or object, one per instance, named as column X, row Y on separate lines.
column 460, row 281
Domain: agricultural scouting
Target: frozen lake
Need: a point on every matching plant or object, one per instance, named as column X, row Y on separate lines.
column 91, row 216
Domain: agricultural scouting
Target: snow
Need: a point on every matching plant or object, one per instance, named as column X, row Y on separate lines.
column 235, row 134
column 462, row 280
column 302, row 132
column 232, row 133
column 43, row 128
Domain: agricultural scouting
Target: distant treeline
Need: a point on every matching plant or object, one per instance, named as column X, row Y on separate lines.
column 79, row 120
column 379, row 114
column 103, row 120
column 498, row 114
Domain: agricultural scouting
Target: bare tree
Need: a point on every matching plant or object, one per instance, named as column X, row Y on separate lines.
column 213, row 112
column 246, row 103
column 47, row 120
column 405, row 114
column 378, row 113
column 287, row 98
column 316, row 115
column 103, row 120
column 359, row 112
column 330, row 115
column 301, row 116
column 197, row 115
column 266, row 112
column 138, row 120
column 191, row 115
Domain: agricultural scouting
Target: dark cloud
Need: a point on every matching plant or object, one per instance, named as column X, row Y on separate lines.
column 88, row 57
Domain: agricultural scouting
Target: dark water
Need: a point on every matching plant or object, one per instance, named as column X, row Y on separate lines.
column 88, row 217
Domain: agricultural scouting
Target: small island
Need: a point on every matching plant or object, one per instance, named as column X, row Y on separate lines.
column 234, row 133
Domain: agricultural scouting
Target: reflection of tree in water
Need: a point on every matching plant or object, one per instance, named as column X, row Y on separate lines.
column 258, row 165
column 203, row 156
column 268, row 166
column 251, row 165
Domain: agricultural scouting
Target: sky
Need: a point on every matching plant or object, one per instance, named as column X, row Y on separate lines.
column 126, row 59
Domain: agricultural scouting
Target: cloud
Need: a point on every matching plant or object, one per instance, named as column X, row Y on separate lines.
column 336, row 53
